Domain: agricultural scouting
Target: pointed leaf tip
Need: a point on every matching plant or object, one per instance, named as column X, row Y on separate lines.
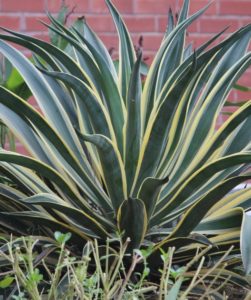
column 132, row 221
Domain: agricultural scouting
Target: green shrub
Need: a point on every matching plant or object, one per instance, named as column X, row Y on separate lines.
column 111, row 155
column 30, row 274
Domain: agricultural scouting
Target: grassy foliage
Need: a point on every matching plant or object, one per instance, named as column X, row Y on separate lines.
column 113, row 154
column 100, row 273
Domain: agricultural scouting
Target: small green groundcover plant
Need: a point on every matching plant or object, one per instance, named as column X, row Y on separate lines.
column 29, row 275
column 114, row 152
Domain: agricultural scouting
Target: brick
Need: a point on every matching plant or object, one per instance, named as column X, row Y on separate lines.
column 10, row 22
column 32, row 101
column 215, row 25
column 242, row 96
column 140, row 24
column 246, row 77
column 21, row 150
column 78, row 5
column 196, row 5
column 197, row 39
column 194, row 27
column 245, row 80
column 219, row 122
column 143, row 17
column 154, row 6
column 20, row 48
column 148, row 56
column 242, row 8
column 110, row 40
column 224, row 118
column 224, row 36
column 32, row 23
column 163, row 21
column 42, row 36
column 104, row 24
column 229, row 109
column 136, row 38
column 244, row 21
column 99, row 6
column 22, row 6
column 232, row 96
column 151, row 42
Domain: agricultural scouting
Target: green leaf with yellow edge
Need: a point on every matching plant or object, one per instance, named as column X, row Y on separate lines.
column 95, row 41
column 149, row 192
column 149, row 88
column 113, row 168
column 110, row 90
column 132, row 221
column 133, row 125
column 48, row 173
column 54, row 202
column 50, row 223
column 197, row 179
column 127, row 56
column 191, row 218
column 245, row 242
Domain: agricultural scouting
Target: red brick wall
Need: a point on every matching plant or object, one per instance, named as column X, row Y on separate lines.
column 143, row 17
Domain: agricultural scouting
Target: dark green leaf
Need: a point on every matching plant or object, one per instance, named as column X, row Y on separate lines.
column 132, row 221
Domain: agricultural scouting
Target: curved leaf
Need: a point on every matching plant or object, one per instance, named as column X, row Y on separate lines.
column 47, row 172
column 112, row 166
column 196, row 213
column 21, row 107
column 127, row 55
column 133, row 124
column 149, row 193
column 97, row 112
column 132, row 221
column 78, row 216
column 197, row 179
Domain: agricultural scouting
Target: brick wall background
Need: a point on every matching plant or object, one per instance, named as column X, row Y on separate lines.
column 143, row 17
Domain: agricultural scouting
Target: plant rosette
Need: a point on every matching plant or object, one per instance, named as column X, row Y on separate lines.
column 111, row 155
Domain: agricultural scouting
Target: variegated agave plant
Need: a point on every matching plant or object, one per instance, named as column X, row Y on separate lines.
column 109, row 154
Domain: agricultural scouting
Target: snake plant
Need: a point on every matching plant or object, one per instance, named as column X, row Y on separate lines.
column 112, row 152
